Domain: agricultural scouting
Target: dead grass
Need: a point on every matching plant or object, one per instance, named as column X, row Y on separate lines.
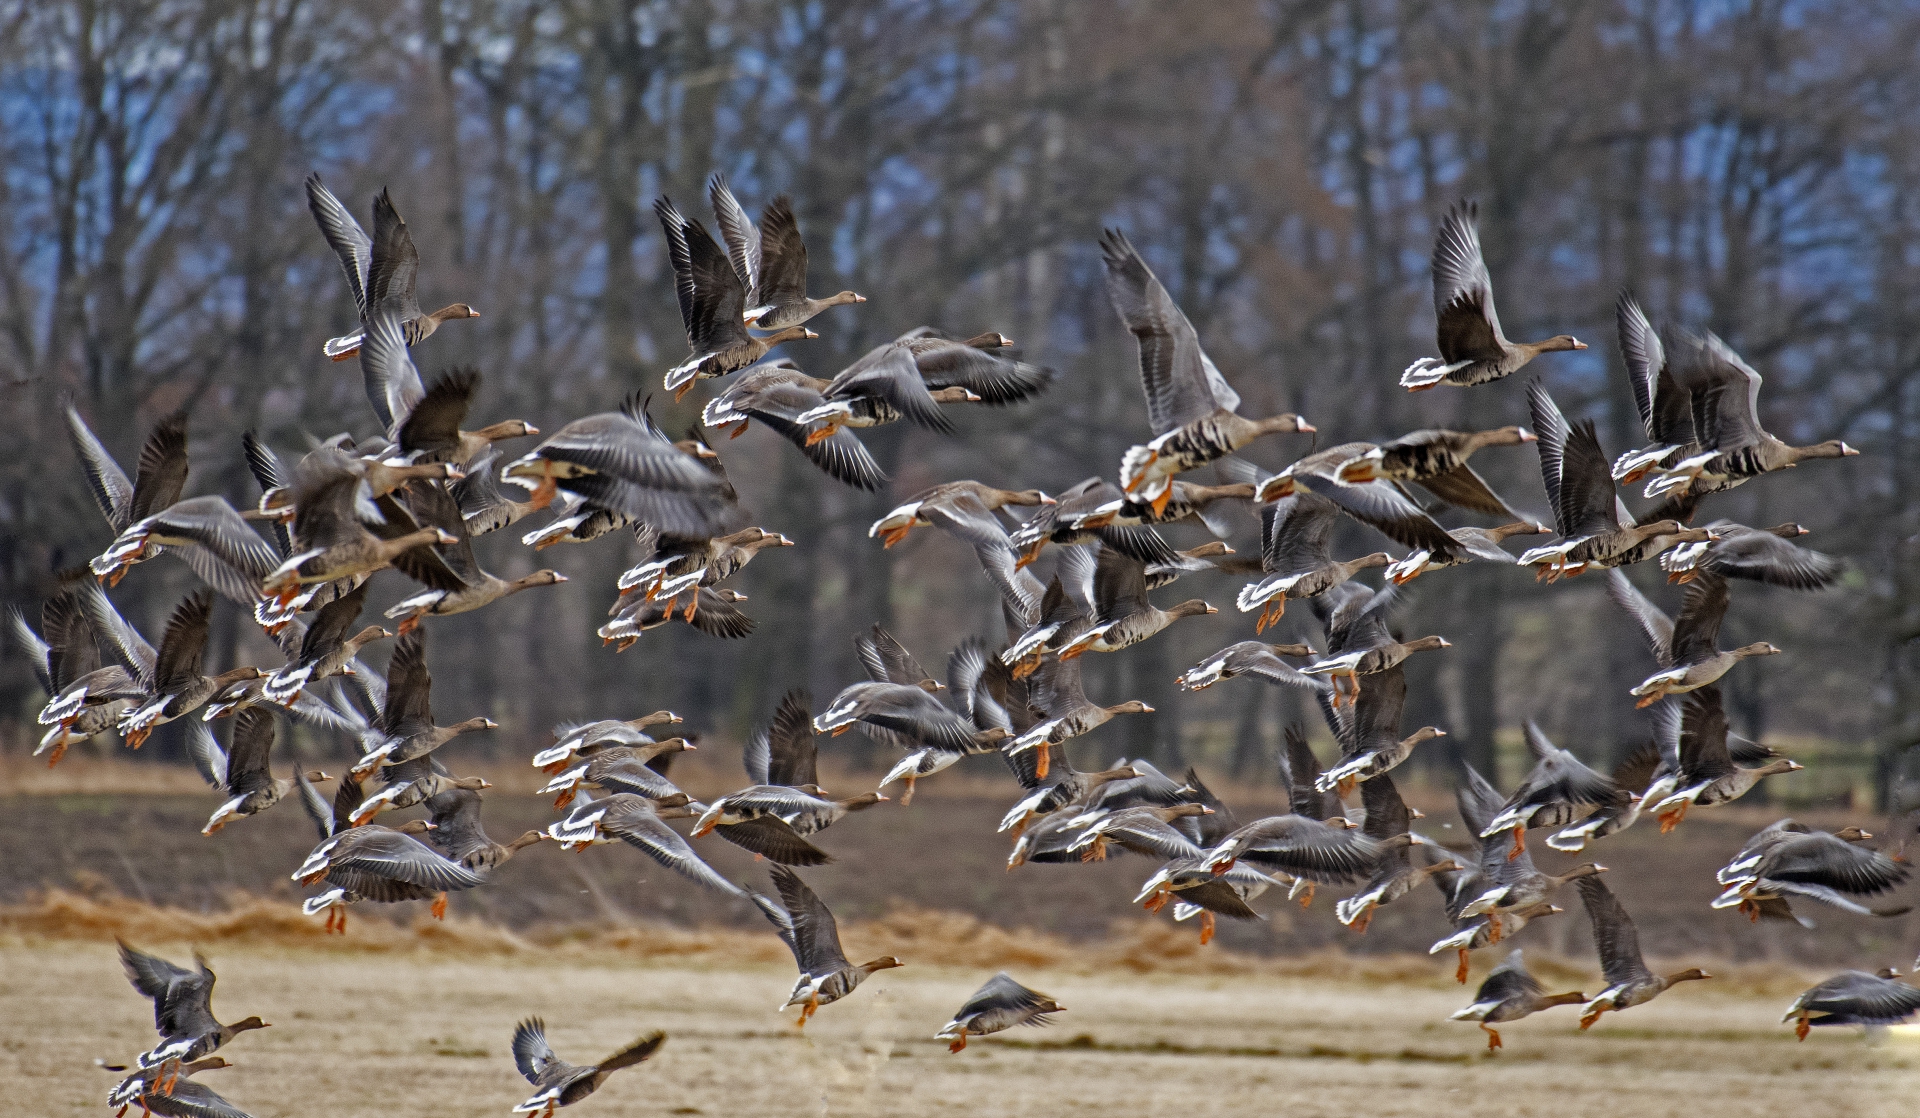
column 952, row 939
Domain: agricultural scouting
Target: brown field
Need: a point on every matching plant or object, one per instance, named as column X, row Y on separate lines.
column 423, row 1032
column 409, row 1016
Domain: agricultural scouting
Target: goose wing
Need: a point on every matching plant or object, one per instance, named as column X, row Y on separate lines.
column 1181, row 382
column 1614, row 936
column 1463, row 291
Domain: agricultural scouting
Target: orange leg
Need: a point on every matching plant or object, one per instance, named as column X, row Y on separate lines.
column 1096, row 852
column 1519, row 843
column 1360, row 925
column 564, row 798
column 959, row 1042
column 1306, row 896
column 1043, row 763
column 1671, row 819
column 1587, row 1020
column 59, row 750
column 1801, row 1028
column 410, row 624
column 1493, row 1036
column 1160, row 502
column 1494, row 928
column 740, row 429
column 1206, row 928
column 907, row 796
column 1460, row 975
column 1028, row 556
column 440, row 907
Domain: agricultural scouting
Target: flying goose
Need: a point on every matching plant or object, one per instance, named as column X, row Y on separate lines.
column 1473, row 349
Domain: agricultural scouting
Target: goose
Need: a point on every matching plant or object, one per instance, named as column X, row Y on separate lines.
column 1473, row 350
column 1473, row 892
column 1062, row 786
column 1064, row 523
column 1394, row 874
column 84, row 698
column 1309, row 849
column 635, row 820
column 884, row 385
column 1685, row 646
column 1708, row 773
column 151, row 518
column 183, row 1098
column 784, row 804
column 992, row 701
column 381, row 270
column 1469, row 544
column 770, row 262
column 407, row 720
column 712, row 305
column 1256, row 658
column 995, row 1007
column 330, row 500
column 173, row 683
column 1436, row 460
column 713, row 611
column 1380, row 505
column 1369, row 747
column 584, row 739
column 1296, row 541
column 1509, row 993
column 1645, row 775
column 1725, row 392
column 1554, row 791
column 620, row 461
column 431, row 431
column 1854, row 998
column 1787, row 861
column 1054, row 693
column 778, row 393
column 1123, row 616
column 372, row 863
column 963, row 507
column 482, row 505
column 1186, row 500
column 458, row 834
column 454, row 580
column 807, row 927
column 679, row 565
column 621, row 768
column 326, row 648
column 1192, row 409
column 907, row 709
column 557, row 1083
column 412, row 783
column 1143, row 829
column 1195, row 890
column 182, row 1013
column 1666, row 409
column 976, row 366
column 244, row 771
column 1760, row 554
column 1629, row 982
column 1358, row 641
column 1595, row 530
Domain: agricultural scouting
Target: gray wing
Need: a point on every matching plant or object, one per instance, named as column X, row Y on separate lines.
column 531, row 1052
column 344, row 235
column 743, row 240
column 112, row 491
column 636, row 824
column 816, row 937
column 392, row 381
column 1180, row 381
column 1614, row 935
column 1653, row 622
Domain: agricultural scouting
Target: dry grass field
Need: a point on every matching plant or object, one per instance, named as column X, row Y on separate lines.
column 423, row 1032
column 408, row 1016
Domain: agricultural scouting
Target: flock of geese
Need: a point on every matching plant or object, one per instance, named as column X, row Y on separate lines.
column 412, row 497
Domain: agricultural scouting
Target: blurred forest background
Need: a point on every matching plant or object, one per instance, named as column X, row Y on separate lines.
column 1747, row 167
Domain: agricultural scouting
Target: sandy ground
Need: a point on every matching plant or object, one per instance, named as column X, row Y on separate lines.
column 425, row 1034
